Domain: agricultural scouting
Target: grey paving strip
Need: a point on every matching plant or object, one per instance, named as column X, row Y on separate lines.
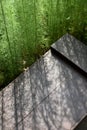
column 35, row 107
column 73, row 50
column 56, row 111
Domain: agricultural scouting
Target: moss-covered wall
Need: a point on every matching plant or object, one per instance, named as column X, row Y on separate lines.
column 29, row 27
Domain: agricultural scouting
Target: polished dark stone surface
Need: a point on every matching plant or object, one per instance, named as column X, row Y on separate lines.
column 50, row 95
column 73, row 50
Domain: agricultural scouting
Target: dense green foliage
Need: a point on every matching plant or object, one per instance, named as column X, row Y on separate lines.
column 29, row 27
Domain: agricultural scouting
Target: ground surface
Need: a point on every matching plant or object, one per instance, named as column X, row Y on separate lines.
column 50, row 95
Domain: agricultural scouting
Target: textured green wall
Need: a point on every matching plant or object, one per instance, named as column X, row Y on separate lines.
column 29, row 27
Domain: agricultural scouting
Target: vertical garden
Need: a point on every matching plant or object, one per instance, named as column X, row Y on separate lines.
column 29, row 27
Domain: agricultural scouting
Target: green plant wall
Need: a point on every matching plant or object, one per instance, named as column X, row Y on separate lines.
column 29, row 27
